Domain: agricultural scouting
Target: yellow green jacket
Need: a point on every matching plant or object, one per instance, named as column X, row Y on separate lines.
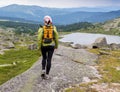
column 53, row 43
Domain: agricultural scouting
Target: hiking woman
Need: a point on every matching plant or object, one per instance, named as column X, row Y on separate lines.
column 47, row 42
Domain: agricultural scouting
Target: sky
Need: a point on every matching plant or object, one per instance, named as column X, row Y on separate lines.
column 62, row 3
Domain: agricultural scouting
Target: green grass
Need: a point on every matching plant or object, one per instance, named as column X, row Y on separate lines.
column 83, row 87
column 24, row 59
column 107, row 66
column 77, row 89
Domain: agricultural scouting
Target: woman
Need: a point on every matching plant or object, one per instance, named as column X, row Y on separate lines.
column 47, row 42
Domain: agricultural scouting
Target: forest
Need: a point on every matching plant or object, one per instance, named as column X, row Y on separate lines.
column 32, row 28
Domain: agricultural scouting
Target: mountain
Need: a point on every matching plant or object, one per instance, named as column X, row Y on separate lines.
column 35, row 13
column 96, row 9
column 59, row 15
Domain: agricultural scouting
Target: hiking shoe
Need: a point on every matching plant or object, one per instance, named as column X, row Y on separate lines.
column 43, row 74
column 47, row 76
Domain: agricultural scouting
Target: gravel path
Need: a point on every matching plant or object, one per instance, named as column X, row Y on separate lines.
column 64, row 72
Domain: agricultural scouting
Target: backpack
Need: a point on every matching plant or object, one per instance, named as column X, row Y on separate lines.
column 48, row 34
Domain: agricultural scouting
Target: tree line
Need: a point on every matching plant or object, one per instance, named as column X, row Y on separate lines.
column 32, row 28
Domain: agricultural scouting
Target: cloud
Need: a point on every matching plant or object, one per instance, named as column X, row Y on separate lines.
column 63, row 3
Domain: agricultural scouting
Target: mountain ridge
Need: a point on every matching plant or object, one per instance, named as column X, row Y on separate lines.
column 60, row 16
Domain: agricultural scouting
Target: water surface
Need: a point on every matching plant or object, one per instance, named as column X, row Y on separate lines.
column 88, row 38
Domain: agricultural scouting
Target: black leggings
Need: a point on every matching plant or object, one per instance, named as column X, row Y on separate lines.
column 47, row 52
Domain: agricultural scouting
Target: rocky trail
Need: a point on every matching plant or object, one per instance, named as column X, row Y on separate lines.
column 65, row 72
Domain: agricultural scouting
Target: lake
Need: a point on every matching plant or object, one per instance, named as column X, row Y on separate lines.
column 88, row 38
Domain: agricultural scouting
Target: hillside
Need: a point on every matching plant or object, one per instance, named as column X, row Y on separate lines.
column 10, row 38
column 113, row 24
column 111, row 27
column 16, row 53
column 59, row 15
column 21, row 27
column 7, row 36
column 31, row 28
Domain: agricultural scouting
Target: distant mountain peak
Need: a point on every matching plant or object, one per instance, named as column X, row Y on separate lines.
column 60, row 16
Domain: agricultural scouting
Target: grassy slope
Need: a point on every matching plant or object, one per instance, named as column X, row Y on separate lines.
column 24, row 59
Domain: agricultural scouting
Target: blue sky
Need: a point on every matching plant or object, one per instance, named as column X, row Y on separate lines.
column 62, row 3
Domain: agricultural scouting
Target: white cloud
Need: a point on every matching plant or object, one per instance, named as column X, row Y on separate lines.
column 62, row 3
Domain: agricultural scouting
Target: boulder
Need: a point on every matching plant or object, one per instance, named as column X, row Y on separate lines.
column 78, row 46
column 114, row 46
column 16, row 40
column 32, row 46
column 68, row 44
column 100, row 42
column 104, row 53
column 73, row 46
column 6, row 45
column 9, row 45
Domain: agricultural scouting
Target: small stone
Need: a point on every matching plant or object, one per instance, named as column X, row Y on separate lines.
column 118, row 68
column 14, row 63
column 86, row 79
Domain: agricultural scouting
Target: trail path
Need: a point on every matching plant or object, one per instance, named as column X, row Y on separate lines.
column 65, row 71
